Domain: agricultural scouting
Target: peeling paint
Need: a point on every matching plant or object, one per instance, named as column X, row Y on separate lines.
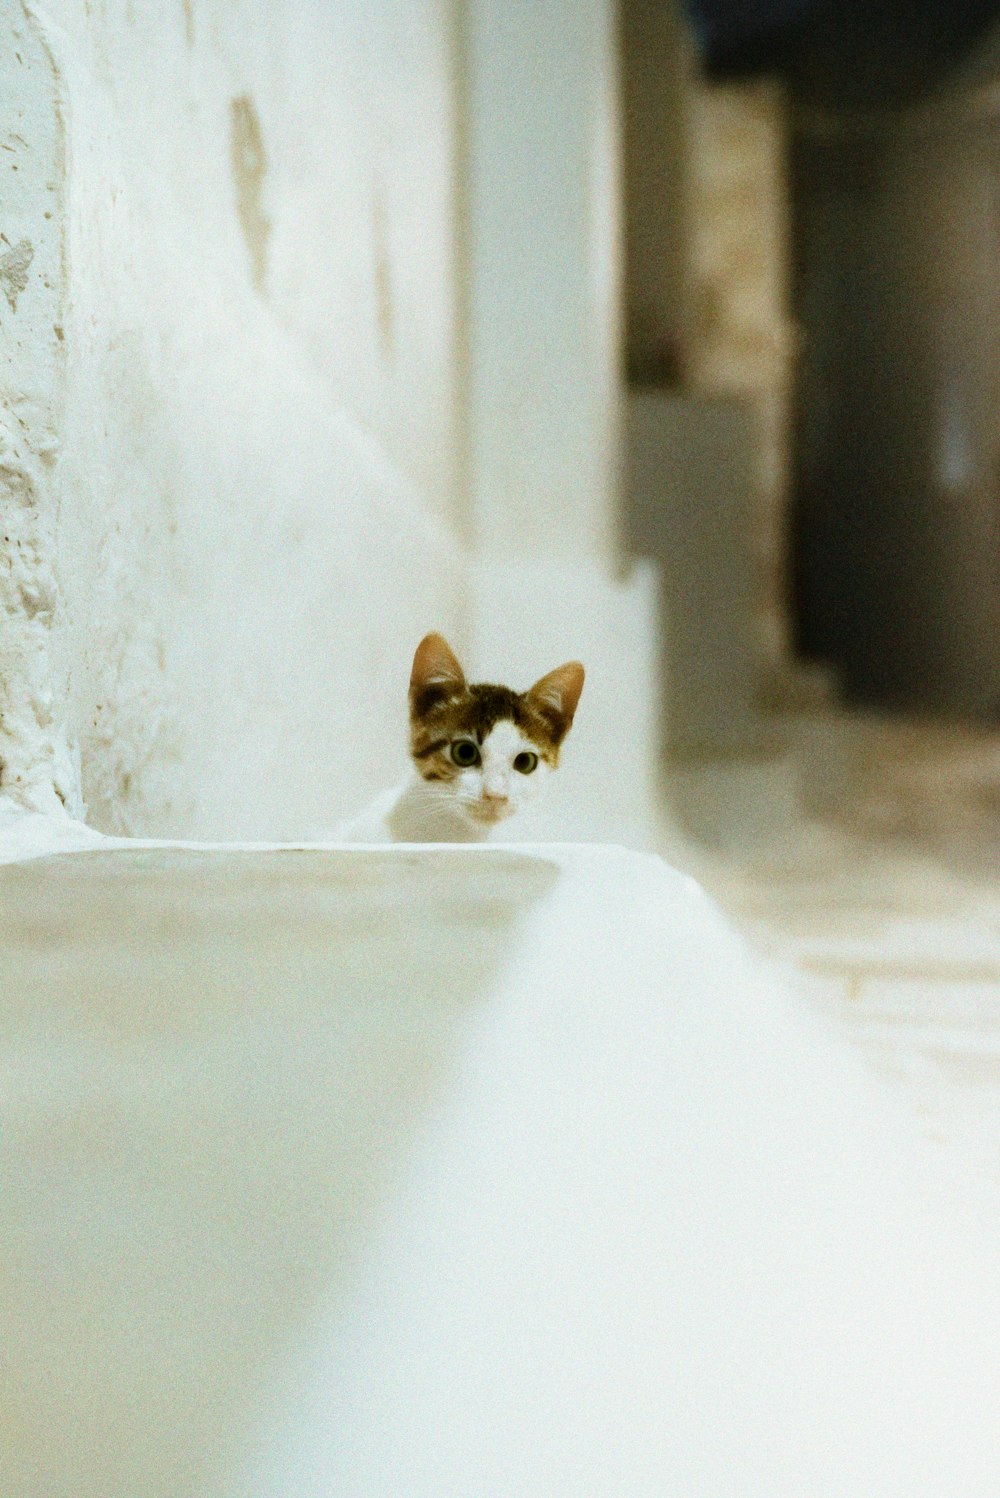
column 14, row 267
column 28, row 736
column 37, row 769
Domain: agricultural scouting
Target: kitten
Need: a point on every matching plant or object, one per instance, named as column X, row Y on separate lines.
column 479, row 752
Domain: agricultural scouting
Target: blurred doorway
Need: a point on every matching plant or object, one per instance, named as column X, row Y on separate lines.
column 896, row 490
column 897, row 475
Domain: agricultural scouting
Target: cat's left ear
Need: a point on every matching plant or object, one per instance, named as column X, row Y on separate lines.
column 436, row 674
column 556, row 695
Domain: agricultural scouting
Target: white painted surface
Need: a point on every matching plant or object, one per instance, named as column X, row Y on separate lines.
column 263, row 436
column 548, row 1192
column 542, row 354
column 544, row 271
column 531, row 615
column 254, row 486
column 673, row 1245
column 33, row 754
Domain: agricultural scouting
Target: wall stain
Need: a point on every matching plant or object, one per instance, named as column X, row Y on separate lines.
column 188, row 8
column 14, row 266
column 385, row 308
column 248, row 163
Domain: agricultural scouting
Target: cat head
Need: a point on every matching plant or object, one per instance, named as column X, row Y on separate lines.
column 486, row 749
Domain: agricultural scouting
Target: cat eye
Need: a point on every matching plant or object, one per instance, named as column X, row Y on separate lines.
column 525, row 762
column 465, row 753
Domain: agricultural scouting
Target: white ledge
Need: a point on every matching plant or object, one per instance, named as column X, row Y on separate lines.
column 451, row 1170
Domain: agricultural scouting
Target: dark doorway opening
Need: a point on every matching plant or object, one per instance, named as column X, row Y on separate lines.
column 896, row 510
column 895, row 540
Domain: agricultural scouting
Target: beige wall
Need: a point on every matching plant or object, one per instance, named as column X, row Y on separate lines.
column 740, row 336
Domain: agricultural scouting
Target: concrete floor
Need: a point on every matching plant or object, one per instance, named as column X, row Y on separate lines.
column 191, row 1064
column 883, row 904
column 207, row 1087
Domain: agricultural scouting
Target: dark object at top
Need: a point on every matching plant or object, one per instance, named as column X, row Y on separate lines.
column 844, row 52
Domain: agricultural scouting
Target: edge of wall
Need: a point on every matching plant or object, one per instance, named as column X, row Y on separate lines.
column 530, row 616
column 36, row 766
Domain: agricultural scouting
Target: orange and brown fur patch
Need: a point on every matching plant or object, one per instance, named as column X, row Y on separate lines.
column 436, row 719
column 444, row 706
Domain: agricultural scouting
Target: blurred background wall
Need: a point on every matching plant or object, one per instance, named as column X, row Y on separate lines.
column 812, row 333
column 897, row 509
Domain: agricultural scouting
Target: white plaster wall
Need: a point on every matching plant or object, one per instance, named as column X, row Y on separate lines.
column 544, row 276
column 32, row 757
column 530, row 617
column 330, row 314
column 544, row 255
column 241, row 566
column 362, row 250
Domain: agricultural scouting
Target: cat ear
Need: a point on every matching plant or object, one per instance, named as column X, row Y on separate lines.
column 556, row 695
column 436, row 673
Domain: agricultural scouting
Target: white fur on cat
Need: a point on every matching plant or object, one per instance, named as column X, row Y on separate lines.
column 464, row 810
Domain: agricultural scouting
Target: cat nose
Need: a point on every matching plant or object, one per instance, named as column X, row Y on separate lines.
column 495, row 791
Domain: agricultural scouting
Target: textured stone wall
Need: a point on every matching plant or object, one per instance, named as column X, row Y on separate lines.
column 34, row 760
column 228, row 403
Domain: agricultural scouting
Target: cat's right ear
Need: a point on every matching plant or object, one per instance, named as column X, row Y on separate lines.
column 555, row 697
column 436, row 674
